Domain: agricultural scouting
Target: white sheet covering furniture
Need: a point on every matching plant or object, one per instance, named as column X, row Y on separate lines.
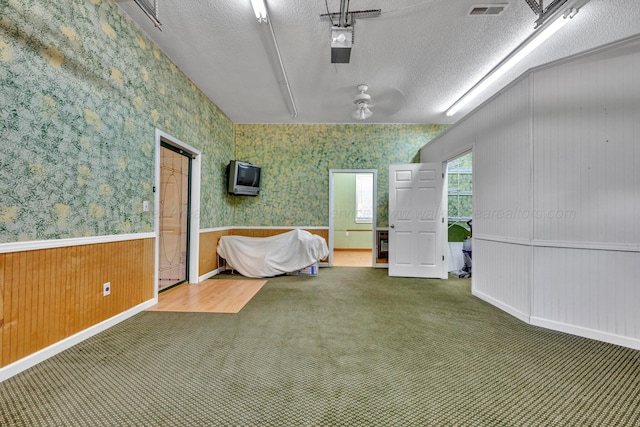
column 274, row 255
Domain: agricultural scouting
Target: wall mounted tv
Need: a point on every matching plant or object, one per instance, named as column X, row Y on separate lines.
column 243, row 179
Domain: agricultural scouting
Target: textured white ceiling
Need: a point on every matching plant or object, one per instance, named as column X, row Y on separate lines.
column 418, row 57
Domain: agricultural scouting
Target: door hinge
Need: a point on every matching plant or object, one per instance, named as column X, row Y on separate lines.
column 443, row 174
column 443, row 220
column 443, row 257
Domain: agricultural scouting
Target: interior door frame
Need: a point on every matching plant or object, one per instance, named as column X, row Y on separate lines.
column 194, row 218
column 445, row 193
column 332, row 173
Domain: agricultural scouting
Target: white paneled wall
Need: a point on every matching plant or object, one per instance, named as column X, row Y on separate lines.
column 432, row 152
column 557, row 194
column 447, row 147
column 587, row 196
column 502, row 167
column 593, row 293
column 502, row 201
column 460, row 142
column 501, row 276
column 587, row 150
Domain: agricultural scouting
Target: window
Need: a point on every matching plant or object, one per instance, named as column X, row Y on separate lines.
column 364, row 198
column 460, row 188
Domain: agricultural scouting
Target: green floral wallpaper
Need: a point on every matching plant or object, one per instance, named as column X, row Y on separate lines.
column 82, row 91
column 296, row 160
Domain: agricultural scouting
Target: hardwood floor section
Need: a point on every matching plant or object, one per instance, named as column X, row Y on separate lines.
column 210, row 296
column 352, row 258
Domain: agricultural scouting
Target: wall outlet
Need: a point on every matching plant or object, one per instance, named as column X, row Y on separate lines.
column 346, row 233
column 106, row 289
column 145, row 206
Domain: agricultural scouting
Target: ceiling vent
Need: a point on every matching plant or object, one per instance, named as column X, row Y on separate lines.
column 487, row 9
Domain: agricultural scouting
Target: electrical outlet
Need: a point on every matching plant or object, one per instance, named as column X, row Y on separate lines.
column 145, row 206
column 346, row 233
column 106, row 289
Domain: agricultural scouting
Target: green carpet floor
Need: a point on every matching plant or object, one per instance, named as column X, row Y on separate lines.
column 351, row 347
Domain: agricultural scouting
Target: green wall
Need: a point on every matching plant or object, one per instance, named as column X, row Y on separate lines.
column 82, row 91
column 296, row 160
column 344, row 217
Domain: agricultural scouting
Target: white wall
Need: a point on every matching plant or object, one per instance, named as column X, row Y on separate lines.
column 501, row 220
column 557, row 194
column 586, row 184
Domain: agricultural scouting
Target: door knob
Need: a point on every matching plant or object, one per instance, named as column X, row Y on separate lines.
column 393, row 226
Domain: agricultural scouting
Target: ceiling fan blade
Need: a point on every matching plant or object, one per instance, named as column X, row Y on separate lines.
column 388, row 102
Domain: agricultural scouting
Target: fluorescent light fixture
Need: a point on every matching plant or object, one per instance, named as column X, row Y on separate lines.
column 260, row 9
column 150, row 8
column 516, row 56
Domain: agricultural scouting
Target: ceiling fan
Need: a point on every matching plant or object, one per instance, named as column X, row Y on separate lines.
column 388, row 102
column 362, row 102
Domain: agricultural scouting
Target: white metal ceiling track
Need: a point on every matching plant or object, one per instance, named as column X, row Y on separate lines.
column 150, row 8
column 262, row 14
column 544, row 12
column 291, row 104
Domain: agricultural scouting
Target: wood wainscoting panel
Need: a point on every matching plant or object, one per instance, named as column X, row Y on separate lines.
column 48, row 295
column 208, row 256
column 2, row 316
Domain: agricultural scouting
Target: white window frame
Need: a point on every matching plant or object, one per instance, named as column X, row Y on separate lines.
column 364, row 198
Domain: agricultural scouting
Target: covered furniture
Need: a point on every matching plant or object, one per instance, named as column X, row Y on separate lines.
column 274, row 255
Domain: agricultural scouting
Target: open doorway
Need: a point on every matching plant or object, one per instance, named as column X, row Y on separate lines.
column 352, row 196
column 174, row 212
column 459, row 211
column 177, row 219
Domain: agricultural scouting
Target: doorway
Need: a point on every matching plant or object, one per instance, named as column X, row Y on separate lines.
column 175, row 208
column 459, row 211
column 352, row 199
column 177, row 219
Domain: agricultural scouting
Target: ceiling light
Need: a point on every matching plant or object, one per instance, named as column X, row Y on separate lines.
column 362, row 101
column 150, row 8
column 362, row 112
column 535, row 40
column 260, row 9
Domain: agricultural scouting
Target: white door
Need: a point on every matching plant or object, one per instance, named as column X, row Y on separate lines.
column 416, row 221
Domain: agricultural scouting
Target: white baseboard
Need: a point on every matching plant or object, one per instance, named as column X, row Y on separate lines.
column 210, row 274
column 562, row 327
column 41, row 355
column 587, row 332
column 502, row 306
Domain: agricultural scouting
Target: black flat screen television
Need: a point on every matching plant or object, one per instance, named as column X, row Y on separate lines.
column 243, row 179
